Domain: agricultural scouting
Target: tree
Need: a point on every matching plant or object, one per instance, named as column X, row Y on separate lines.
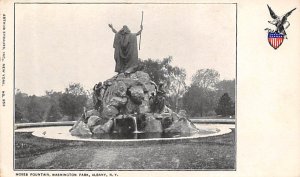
column 226, row 86
column 161, row 71
column 90, row 102
column 206, row 78
column 225, row 106
column 30, row 108
column 202, row 92
column 177, row 87
column 53, row 112
column 34, row 110
column 73, row 100
column 75, row 89
column 21, row 100
column 18, row 114
column 157, row 69
column 194, row 101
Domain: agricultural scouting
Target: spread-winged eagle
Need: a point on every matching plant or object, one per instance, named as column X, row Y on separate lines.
column 280, row 21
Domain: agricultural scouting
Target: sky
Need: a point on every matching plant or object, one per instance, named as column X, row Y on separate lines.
column 59, row 44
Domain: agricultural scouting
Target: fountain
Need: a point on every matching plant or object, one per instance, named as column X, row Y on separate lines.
column 129, row 104
column 127, row 108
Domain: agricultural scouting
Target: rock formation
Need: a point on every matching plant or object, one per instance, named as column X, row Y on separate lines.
column 129, row 102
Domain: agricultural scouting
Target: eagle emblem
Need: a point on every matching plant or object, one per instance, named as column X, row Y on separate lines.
column 276, row 37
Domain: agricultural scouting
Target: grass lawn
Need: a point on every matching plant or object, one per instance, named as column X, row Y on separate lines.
column 205, row 153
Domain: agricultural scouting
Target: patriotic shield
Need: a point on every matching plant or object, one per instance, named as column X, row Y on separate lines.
column 275, row 39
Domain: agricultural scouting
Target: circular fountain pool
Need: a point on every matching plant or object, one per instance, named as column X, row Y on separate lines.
column 62, row 133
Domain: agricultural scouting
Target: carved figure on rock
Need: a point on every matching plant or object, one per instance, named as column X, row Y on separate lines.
column 158, row 101
column 126, row 51
column 98, row 88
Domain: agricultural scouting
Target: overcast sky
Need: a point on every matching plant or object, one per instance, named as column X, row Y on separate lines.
column 57, row 44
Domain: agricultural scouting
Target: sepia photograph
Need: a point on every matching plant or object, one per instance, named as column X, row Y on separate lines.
column 125, row 86
column 149, row 88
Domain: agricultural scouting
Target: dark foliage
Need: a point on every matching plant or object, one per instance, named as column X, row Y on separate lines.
column 18, row 114
column 194, row 101
column 73, row 100
column 199, row 99
column 225, row 106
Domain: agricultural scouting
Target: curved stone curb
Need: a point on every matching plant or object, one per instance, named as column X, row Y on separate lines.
column 62, row 133
column 214, row 121
column 70, row 123
column 44, row 124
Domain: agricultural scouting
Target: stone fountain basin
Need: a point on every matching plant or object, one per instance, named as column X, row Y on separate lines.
column 60, row 131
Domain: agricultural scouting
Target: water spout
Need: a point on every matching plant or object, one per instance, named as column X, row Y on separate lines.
column 135, row 124
column 115, row 126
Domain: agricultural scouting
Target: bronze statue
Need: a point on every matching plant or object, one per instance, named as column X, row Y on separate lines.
column 126, row 51
column 157, row 102
column 97, row 96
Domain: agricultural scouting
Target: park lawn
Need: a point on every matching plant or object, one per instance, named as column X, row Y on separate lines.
column 197, row 154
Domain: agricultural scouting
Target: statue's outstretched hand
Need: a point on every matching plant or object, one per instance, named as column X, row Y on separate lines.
column 112, row 28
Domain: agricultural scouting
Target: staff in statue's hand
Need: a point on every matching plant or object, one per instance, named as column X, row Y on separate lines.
column 139, row 32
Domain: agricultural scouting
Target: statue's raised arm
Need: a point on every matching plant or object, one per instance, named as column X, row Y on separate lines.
column 112, row 28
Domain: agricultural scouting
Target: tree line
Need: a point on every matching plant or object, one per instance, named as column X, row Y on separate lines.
column 207, row 95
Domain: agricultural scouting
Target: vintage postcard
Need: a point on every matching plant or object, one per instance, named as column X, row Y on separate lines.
column 149, row 88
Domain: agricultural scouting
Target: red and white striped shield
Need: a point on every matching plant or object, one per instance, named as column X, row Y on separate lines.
column 275, row 39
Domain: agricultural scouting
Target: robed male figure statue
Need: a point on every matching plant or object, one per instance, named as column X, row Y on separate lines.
column 126, row 51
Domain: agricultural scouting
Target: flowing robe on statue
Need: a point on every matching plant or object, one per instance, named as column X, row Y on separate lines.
column 126, row 52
